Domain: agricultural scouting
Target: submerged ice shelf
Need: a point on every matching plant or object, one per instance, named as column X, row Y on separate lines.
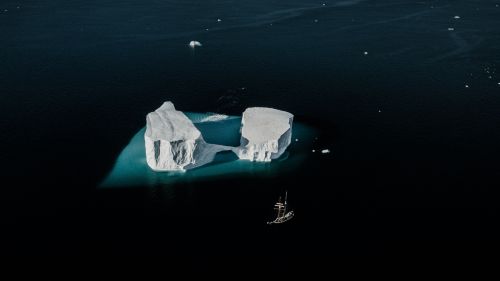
column 131, row 168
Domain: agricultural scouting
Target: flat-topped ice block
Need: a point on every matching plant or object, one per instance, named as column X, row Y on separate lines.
column 265, row 133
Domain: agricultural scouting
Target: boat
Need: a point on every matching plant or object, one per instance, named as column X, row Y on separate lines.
column 282, row 215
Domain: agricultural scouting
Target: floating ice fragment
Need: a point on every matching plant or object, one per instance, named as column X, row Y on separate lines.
column 296, row 139
column 451, row 28
column 214, row 118
column 315, row 20
column 456, row 17
column 325, row 151
column 219, row 20
column 365, row 53
column 466, row 86
column 193, row 44
column 313, row 150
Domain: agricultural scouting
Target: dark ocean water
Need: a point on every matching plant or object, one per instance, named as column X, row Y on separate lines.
column 405, row 95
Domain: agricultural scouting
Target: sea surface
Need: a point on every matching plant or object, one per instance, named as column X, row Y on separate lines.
column 404, row 94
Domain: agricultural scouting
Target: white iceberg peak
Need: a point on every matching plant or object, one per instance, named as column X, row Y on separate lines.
column 173, row 143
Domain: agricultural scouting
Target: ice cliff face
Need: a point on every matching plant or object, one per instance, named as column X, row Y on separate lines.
column 173, row 143
column 265, row 133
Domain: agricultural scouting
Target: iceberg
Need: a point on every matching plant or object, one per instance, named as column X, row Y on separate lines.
column 173, row 143
column 132, row 170
column 265, row 133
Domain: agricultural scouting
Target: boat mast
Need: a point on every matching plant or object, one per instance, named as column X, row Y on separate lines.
column 286, row 197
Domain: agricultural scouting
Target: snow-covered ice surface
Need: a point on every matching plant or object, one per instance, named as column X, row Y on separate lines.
column 131, row 169
column 265, row 133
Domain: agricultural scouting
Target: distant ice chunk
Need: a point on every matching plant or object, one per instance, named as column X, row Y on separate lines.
column 173, row 143
column 193, row 44
column 265, row 133
column 456, row 17
column 325, row 151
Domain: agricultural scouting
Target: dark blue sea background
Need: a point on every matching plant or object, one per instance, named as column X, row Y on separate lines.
column 405, row 94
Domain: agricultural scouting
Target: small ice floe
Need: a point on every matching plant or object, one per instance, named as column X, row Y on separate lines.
column 325, row 151
column 313, row 150
column 214, row 118
column 456, row 17
column 296, row 139
column 379, row 111
column 498, row 83
column 324, row 4
column 194, row 44
column 219, row 20
column 451, row 28
column 466, row 86
column 315, row 20
column 365, row 53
